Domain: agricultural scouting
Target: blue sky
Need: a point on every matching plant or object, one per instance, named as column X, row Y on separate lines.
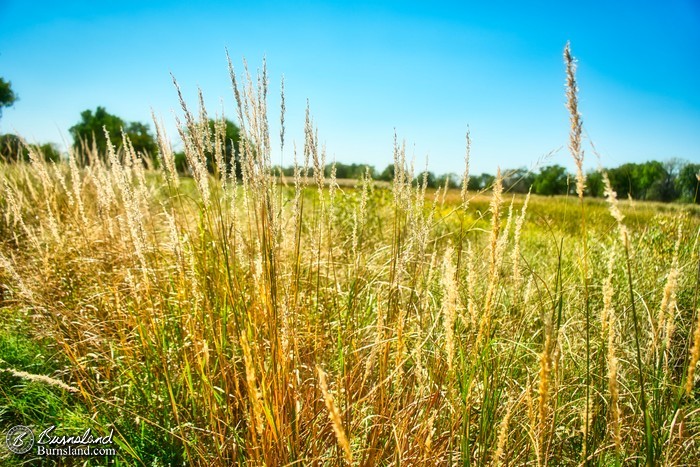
column 426, row 70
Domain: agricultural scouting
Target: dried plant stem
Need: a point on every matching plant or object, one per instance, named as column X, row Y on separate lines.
column 334, row 415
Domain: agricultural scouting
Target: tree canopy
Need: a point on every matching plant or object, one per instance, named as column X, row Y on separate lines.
column 13, row 149
column 231, row 134
column 89, row 133
column 552, row 180
column 688, row 183
column 7, row 95
column 518, row 180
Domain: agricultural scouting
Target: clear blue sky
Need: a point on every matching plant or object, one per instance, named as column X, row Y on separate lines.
column 428, row 70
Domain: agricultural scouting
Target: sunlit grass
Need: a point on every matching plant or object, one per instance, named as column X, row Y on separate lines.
column 218, row 321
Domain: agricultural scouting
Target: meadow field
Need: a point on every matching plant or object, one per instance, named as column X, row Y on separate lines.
column 216, row 320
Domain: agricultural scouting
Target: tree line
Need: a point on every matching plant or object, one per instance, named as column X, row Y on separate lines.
column 671, row 180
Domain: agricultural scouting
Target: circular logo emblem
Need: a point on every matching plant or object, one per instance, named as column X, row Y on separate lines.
column 19, row 439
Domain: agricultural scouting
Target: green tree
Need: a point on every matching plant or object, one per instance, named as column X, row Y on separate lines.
column 13, row 149
column 7, row 95
column 231, row 145
column 688, row 183
column 354, row 171
column 518, row 180
column 141, row 138
column 431, row 180
column 594, row 184
column 388, row 173
column 650, row 180
column 454, row 179
column 552, row 180
column 228, row 136
column 663, row 187
column 626, row 180
column 651, row 177
column 481, row 182
column 89, row 133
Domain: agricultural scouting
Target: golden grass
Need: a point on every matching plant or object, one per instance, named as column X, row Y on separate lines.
column 221, row 321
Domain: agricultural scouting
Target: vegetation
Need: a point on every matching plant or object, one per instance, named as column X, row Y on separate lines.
column 7, row 95
column 215, row 321
column 222, row 141
column 90, row 134
column 673, row 180
column 14, row 149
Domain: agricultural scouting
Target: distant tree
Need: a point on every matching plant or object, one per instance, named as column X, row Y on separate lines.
column 650, row 179
column 50, row 152
column 13, row 149
column 624, row 180
column 180, row 162
column 474, row 183
column 354, row 171
column 341, row 170
column 662, row 184
column 430, row 179
column 667, row 188
column 7, row 95
column 231, row 144
column 454, row 179
column 688, row 183
column 518, row 180
column 594, row 184
column 141, row 138
column 481, row 182
column 388, row 173
column 226, row 136
column 89, row 133
column 552, row 180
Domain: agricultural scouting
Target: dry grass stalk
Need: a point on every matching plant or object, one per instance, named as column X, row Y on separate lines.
column 254, row 394
column 575, row 118
column 494, row 260
column 334, row 416
column 611, row 197
column 472, row 309
column 283, row 110
column 13, row 215
column 39, row 378
column 503, row 432
column 194, row 137
column 667, row 310
column 694, row 357
column 515, row 257
column 543, row 390
column 7, row 265
column 586, row 423
column 165, row 152
column 77, row 184
column 449, row 304
column 608, row 321
column 39, row 166
column 465, row 176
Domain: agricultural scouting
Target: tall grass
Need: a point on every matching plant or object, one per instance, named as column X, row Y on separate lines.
column 216, row 320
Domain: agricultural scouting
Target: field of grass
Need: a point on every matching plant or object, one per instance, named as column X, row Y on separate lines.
column 214, row 321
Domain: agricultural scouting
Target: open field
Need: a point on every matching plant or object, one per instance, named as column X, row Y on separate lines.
column 214, row 321
column 270, row 325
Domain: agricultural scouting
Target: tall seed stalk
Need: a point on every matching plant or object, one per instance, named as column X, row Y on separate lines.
column 577, row 154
